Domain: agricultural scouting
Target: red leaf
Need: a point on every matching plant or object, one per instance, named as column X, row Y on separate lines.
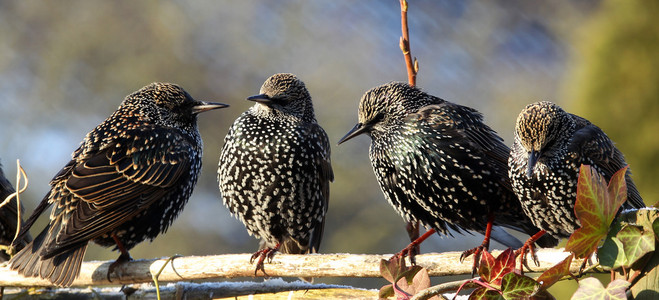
column 492, row 270
column 486, row 266
column 555, row 273
column 595, row 207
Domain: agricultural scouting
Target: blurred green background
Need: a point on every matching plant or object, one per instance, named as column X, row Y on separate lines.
column 66, row 65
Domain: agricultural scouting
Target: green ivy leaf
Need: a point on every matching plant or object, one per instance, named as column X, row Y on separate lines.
column 636, row 242
column 595, row 207
column 612, row 253
column 516, row 286
column 655, row 228
column 555, row 273
column 483, row 293
column 592, row 289
column 641, row 216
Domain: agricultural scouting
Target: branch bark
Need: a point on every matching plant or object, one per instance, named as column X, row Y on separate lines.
column 283, row 265
column 412, row 65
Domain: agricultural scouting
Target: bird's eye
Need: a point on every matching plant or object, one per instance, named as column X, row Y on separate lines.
column 377, row 118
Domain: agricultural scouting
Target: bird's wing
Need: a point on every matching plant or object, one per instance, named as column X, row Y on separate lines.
column 325, row 176
column 118, row 182
column 467, row 123
column 460, row 118
column 589, row 141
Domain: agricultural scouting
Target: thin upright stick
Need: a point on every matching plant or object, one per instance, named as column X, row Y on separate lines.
column 412, row 64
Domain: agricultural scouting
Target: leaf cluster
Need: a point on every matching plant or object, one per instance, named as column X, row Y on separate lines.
column 625, row 242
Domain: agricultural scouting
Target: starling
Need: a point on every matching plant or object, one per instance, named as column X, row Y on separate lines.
column 550, row 147
column 274, row 170
column 127, row 182
column 9, row 220
column 438, row 163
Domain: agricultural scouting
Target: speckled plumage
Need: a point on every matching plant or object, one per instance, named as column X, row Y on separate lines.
column 436, row 161
column 9, row 218
column 274, row 168
column 550, row 146
column 127, row 182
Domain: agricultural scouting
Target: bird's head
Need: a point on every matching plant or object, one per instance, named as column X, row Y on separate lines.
column 386, row 106
column 169, row 104
column 287, row 94
column 538, row 128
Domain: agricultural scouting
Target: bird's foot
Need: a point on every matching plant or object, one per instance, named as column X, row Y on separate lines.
column 262, row 255
column 409, row 251
column 522, row 252
column 412, row 249
column 124, row 257
column 476, row 251
column 528, row 247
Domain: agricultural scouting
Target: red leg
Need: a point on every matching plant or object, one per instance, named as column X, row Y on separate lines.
column 529, row 245
column 262, row 254
column 484, row 246
column 123, row 257
column 409, row 250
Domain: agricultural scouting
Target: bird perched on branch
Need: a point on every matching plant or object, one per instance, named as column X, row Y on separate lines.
column 9, row 220
column 438, row 163
column 127, row 182
column 274, row 170
column 550, row 147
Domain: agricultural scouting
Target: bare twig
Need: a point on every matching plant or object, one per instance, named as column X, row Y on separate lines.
column 283, row 265
column 20, row 173
column 412, row 69
column 412, row 65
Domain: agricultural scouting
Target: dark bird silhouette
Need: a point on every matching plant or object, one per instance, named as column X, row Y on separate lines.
column 127, row 182
column 550, row 147
column 9, row 220
column 438, row 163
column 274, row 170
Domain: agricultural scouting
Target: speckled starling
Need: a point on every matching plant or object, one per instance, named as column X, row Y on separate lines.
column 437, row 162
column 126, row 183
column 550, row 147
column 274, row 169
column 8, row 219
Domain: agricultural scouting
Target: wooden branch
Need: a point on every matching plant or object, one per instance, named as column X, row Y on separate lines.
column 271, row 289
column 412, row 65
column 443, row 289
column 283, row 265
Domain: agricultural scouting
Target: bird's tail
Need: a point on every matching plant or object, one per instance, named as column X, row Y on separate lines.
column 60, row 269
column 503, row 237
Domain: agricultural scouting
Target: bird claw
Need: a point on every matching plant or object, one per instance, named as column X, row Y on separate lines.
column 124, row 257
column 262, row 255
column 477, row 251
column 522, row 252
column 408, row 251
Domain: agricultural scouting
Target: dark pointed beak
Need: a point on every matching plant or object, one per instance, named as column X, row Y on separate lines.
column 355, row 131
column 533, row 159
column 202, row 106
column 262, row 98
